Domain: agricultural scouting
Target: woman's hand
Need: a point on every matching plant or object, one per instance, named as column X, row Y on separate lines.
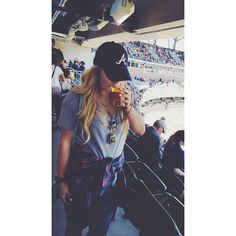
column 64, row 192
column 125, row 101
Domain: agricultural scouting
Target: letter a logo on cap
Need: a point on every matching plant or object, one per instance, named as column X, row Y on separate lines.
column 122, row 59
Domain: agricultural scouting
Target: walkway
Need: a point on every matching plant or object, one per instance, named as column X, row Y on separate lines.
column 120, row 227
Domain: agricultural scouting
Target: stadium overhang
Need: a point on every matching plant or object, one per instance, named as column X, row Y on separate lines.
column 152, row 19
column 168, row 30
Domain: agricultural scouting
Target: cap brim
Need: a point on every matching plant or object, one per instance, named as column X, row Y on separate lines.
column 116, row 74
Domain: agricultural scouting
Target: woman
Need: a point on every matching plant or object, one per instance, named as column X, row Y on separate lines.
column 57, row 78
column 94, row 130
column 66, row 85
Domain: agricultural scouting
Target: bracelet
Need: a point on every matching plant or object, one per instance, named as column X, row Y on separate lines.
column 60, row 179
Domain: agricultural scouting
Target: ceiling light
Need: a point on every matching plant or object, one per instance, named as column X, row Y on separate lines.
column 121, row 10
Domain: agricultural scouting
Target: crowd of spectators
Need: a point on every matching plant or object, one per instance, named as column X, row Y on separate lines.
column 77, row 65
column 64, row 76
column 153, row 53
column 138, row 81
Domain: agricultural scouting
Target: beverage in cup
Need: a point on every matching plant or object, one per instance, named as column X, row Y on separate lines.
column 115, row 96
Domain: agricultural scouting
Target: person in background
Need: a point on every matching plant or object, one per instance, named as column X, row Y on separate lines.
column 150, row 143
column 57, row 55
column 76, row 64
column 173, row 156
column 57, row 78
column 94, row 126
column 70, row 63
column 66, row 64
column 66, row 85
column 82, row 66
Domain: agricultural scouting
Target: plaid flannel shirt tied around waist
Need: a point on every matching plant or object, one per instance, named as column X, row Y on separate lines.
column 95, row 173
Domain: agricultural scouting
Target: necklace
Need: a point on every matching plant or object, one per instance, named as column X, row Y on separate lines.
column 112, row 128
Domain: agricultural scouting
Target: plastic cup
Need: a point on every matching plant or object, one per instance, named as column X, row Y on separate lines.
column 115, row 96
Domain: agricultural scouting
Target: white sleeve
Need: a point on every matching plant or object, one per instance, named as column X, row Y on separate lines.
column 59, row 70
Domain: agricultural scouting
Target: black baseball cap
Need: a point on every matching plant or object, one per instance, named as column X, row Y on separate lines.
column 113, row 59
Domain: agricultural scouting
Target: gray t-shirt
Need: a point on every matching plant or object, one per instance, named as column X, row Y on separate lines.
column 99, row 128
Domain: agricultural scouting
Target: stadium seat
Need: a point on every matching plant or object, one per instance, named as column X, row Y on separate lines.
column 130, row 154
column 133, row 142
column 174, row 185
column 151, row 180
column 144, row 211
column 154, row 184
column 174, row 207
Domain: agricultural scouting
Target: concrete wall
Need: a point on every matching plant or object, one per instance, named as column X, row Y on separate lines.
column 73, row 50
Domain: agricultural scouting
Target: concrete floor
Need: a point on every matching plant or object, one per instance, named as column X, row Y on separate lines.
column 120, row 227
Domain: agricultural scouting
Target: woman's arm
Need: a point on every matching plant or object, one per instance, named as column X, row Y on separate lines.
column 67, row 122
column 63, row 151
column 136, row 121
column 62, row 160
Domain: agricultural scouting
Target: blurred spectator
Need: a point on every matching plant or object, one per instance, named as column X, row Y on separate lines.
column 57, row 78
column 82, row 66
column 57, row 55
column 70, row 63
column 173, row 156
column 76, row 64
column 66, row 85
column 150, row 143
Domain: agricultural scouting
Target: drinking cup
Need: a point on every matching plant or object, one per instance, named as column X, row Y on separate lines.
column 115, row 96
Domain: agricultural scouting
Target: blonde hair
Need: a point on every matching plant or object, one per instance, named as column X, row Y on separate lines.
column 89, row 88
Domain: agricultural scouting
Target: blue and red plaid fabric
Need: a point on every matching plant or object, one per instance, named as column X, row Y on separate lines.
column 97, row 174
